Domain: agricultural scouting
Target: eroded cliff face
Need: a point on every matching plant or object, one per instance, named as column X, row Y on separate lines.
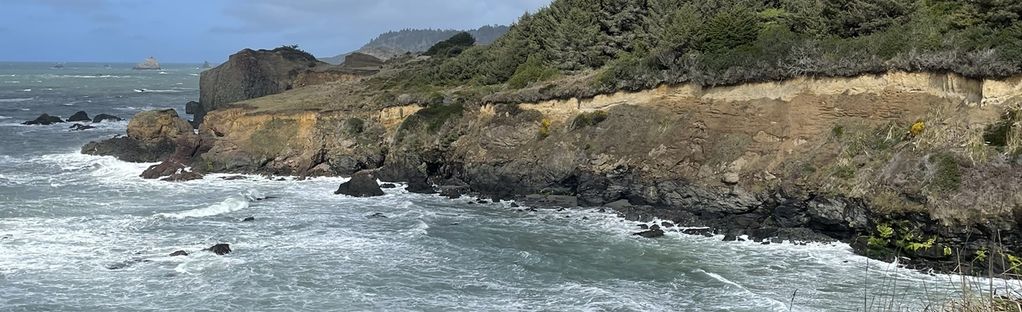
column 897, row 164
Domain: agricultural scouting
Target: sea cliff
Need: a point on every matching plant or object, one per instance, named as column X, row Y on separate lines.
column 897, row 164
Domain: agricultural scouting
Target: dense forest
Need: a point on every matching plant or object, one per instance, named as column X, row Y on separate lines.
column 395, row 43
column 636, row 44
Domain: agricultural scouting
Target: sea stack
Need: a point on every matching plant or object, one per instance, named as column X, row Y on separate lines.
column 149, row 64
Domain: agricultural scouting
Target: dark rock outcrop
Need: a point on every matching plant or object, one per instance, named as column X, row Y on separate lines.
column 79, row 116
column 248, row 219
column 220, row 249
column 80, row 127
column 179, row 253
column 653, row 233
column 105, row 117
column 150, row 138
column 250, row 74
column 362, row 184
column 44, row 120
column 176, row 167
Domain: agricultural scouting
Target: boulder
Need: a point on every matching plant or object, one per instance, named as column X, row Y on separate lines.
column 192, row 107
column 44, row 120
column 419, row 184
column 388, row 185
column 179, row 253
column 105, row 117
column 362, row 184
column 79, row 116
column 80, row 127
column 730, row 178
column 220, row 249
column 151, row 138
column 158, row 125
column 653, row 233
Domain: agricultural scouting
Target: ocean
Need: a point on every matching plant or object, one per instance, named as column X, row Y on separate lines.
column 86, row 233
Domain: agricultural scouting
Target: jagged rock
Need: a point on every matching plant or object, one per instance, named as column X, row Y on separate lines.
column 105, row 117
column 79, row 116
column 697, row 231
column 44, row 120
column 220, row 249
column 179, row 253
column 130, row 150
column 419, row 184
column 452, row 192
column 176, row 167
column 183, row 176
column 80, row 127
column 653, row 233
column 362, row 184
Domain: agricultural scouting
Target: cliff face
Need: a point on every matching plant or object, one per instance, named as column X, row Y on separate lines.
column 251, row 74
column 845, row 158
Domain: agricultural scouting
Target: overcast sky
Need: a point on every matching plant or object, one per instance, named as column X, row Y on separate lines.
column 200, row 30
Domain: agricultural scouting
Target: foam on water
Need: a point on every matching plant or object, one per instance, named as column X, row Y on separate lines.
column 16, row 100
column 229, row 205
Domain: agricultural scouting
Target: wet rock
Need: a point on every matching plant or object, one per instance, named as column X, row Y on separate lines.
column 183, row 176
column 80, row 127
column 551, row 200
column 452, row 192
column 79, row 116
column 362, row 184
column 419, row 184
column 697, row 231
column 667, row 224
column 378, row 215
column 220, row 249
column 105, row 117
column 644, row 226
column 388, row 185
column 730, row 237
column 179, row 253
column 653, row 233
column 514, row 205
column 130, row 150
column 192, row 107
column 152, row 137
column 233, row 178
column 248, row 219
column 619, row 205
column 44, row 120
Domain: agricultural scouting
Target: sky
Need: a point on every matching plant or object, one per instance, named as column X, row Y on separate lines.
column 192, row 31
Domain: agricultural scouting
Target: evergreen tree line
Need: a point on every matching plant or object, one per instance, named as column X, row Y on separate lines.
column 636, row 44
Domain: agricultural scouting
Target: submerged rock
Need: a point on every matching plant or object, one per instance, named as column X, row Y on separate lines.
column 44, row 120
column 220, row 249
column 248, row 219
column 79, row 116
column 388, row 185
column 378, row 215
column 80, row 127
column 362, row 184
column 105, row 117
column 179, row 253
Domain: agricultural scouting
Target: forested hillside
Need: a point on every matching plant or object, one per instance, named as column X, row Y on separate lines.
column 394, row 43
column 628, row 44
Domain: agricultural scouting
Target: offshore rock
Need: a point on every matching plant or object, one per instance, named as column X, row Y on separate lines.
column 220, row 249
column 105, row 117
column 80, row 127
column 79, row 116
column 362, row 184
column 44, row 120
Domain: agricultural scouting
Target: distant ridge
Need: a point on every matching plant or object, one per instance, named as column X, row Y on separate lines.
column 394, row 43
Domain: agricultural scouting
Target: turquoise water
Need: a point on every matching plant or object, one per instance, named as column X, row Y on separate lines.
column 66, row 219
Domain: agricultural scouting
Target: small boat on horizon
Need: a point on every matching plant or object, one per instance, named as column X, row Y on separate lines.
column 149, row 64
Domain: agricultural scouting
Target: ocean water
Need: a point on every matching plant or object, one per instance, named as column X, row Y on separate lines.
column 85, row 233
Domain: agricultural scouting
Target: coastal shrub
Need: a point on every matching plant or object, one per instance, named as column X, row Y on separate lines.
column 917, row 128
column 544, row 129
column 587, row 119
column 837, row 131
column 1005, row 133
column 532, row 71
column 947, row 174
column 354, row 126
column 432, row 117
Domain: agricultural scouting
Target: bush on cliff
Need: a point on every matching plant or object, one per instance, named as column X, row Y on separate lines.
column 452, row 46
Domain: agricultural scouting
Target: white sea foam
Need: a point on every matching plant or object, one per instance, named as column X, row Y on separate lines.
column 11, row 81
column 48, row 76
column 5, row 117
column 156, row 91
column 229, row 205
column 26, row 90
column 15, row 100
